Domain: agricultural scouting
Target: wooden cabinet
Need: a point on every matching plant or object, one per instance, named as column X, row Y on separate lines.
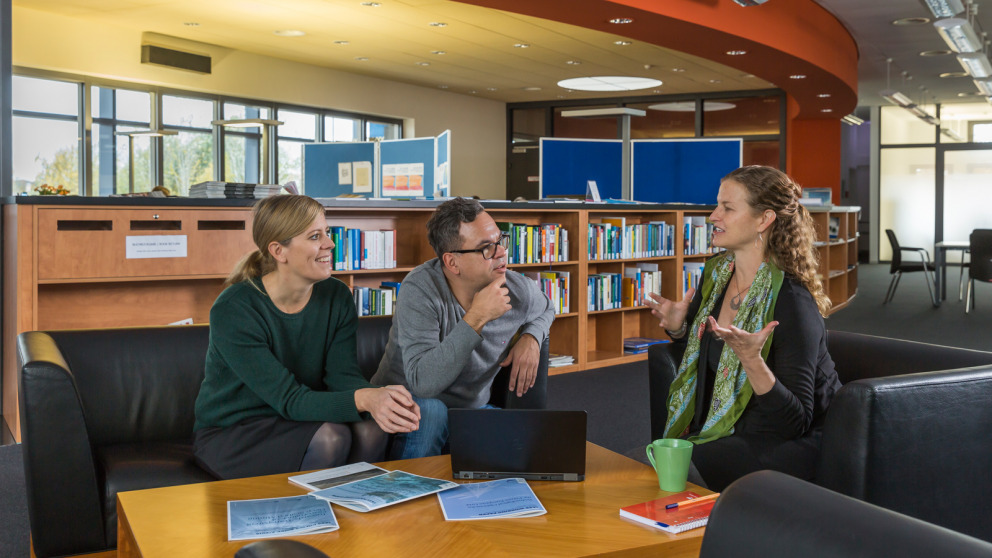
column 66, row 267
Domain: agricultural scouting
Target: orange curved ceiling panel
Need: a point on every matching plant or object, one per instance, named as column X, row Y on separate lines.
column 782, row 38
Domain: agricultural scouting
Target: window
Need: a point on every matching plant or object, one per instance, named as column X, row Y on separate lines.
column 342, row 129
column 116, row 112
column 46, row 133
column 297, row 129
column 187, row 157
column 382, row 130
column 243, row 146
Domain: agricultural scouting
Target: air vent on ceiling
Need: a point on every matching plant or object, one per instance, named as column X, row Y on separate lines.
column 159, row 56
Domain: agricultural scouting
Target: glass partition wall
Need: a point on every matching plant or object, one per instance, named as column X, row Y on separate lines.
column 934, row 180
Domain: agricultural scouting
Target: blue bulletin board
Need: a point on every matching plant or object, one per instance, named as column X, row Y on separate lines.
column 687, row 171
column 442, row 164
column 322, row 169
column 568, row 164
column 406, row 167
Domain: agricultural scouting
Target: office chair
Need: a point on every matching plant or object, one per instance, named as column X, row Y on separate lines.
column 981, row 263
column 898, row 267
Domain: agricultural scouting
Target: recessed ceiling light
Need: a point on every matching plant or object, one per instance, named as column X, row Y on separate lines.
column 690, row 106
column 371, row 4
column 438, row 52
column 491, row 89
column 824, row 95
column 946, row 75
column 621, row 43
column 736, row 52
column 423, row 63
column 442, row 86
column 572, row 62
column 678, row 70
column 621, row 20
column 473, row 92
column 362, row 58
column 657, row 91
column 797, row 76
column 561, row 96
column 191, row 24
column 970, row 94
column 521, row 45
column 936, row 53
column 438, row 24
column 289, row 33
column 748, row 76
column 715, row 81
column 340, row 42
column 609, row 83
column 911, row 21
column 826, row 110
column 531, row 88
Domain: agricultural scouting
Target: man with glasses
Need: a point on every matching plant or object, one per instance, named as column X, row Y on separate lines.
column 455, row 323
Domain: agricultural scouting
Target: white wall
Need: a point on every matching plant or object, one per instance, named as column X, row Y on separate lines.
column 58, row 43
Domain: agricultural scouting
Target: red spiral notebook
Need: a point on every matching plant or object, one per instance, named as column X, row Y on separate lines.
column 674, row 520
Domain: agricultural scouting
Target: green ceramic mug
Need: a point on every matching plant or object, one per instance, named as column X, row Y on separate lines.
column 670, row 458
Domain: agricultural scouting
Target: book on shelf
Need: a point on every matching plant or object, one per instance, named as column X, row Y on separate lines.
column 326, row 478
column 496, row 499
column 556, row 360
column 641, row 342
column 674, row 520
column 692, row 275
column 380, row 491
column 555, row 285
column 279, row 517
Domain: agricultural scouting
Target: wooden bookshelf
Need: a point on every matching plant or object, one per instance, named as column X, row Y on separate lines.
column 65, row 266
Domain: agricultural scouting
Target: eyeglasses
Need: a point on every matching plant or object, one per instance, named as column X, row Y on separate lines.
column 489, row 250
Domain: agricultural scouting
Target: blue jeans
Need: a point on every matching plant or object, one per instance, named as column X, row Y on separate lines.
column 432, row 436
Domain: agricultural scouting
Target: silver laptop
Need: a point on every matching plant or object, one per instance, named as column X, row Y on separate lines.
column 534, row 444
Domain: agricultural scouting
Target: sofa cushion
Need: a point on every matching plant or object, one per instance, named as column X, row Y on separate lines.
column 144, row 465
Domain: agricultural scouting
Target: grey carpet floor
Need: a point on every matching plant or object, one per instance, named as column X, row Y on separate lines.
column 13, row 504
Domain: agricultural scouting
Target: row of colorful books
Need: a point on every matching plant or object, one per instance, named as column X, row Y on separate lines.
column 692, row 275
column 608, row 291
column 554, row 284
column 614, row 239
column 360, row 249
column 372, row 301
column 544, row 243
column 698, row 236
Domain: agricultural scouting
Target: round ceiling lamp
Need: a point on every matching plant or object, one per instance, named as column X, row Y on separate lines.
column 690, row 106
column 609, row 83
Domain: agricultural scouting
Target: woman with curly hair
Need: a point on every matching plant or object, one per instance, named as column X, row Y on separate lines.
column 755, row 379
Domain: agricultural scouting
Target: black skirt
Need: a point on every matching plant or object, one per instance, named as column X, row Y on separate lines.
column 253, row 447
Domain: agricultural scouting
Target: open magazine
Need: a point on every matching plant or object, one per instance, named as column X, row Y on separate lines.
column 326, row 478
column 384, row 490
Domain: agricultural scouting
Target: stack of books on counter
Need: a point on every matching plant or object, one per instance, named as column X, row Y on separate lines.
column 233, row 190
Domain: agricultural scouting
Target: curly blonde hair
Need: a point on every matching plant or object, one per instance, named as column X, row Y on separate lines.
column 792, row 234
column 274, row 219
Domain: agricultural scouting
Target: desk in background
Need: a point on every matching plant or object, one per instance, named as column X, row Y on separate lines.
column 940, row 264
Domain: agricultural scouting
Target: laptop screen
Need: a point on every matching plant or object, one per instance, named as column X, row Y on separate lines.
column 529, row 443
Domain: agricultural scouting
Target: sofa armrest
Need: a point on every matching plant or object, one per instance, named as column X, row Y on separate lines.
column 768, row 513
column 535, row 398
column 857, row 356
column 915, row 444
column 58, row 461
column 663, row 365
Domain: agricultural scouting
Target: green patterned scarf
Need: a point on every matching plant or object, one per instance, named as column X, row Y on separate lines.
column 731, row 390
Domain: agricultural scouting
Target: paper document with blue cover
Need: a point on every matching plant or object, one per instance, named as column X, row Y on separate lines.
column 278, row 517
column 490, row 500
column 385, row 490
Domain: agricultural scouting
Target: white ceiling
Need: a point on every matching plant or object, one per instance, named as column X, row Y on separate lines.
column 480, row 58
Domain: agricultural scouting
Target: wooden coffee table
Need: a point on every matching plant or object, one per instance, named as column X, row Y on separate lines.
column 582, row 520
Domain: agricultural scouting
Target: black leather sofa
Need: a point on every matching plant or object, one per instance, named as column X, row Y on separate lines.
column 908, row 431
column 768, row 513
column 105, row 411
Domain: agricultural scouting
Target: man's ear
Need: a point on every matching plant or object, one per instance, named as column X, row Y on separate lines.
column 450, row 262
column 277, row 251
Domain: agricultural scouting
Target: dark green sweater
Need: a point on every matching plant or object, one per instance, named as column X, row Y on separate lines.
column 264, row 362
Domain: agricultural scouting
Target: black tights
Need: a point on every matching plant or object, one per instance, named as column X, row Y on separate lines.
column 336, row 444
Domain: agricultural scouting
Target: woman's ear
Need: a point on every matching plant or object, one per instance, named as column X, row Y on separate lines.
column 277, row 251
column 767, row 218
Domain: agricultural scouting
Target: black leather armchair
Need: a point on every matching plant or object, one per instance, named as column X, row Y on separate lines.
column 109, row 410
column 772, row 514
column 908, row 431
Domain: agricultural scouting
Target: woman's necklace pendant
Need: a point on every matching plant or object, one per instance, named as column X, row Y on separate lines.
column 735, row 302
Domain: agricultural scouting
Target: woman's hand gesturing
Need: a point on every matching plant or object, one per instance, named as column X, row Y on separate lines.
column 670, row 314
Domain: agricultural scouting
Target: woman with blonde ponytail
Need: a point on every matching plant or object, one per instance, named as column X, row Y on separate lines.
column 755, row 378
column 282, row 390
